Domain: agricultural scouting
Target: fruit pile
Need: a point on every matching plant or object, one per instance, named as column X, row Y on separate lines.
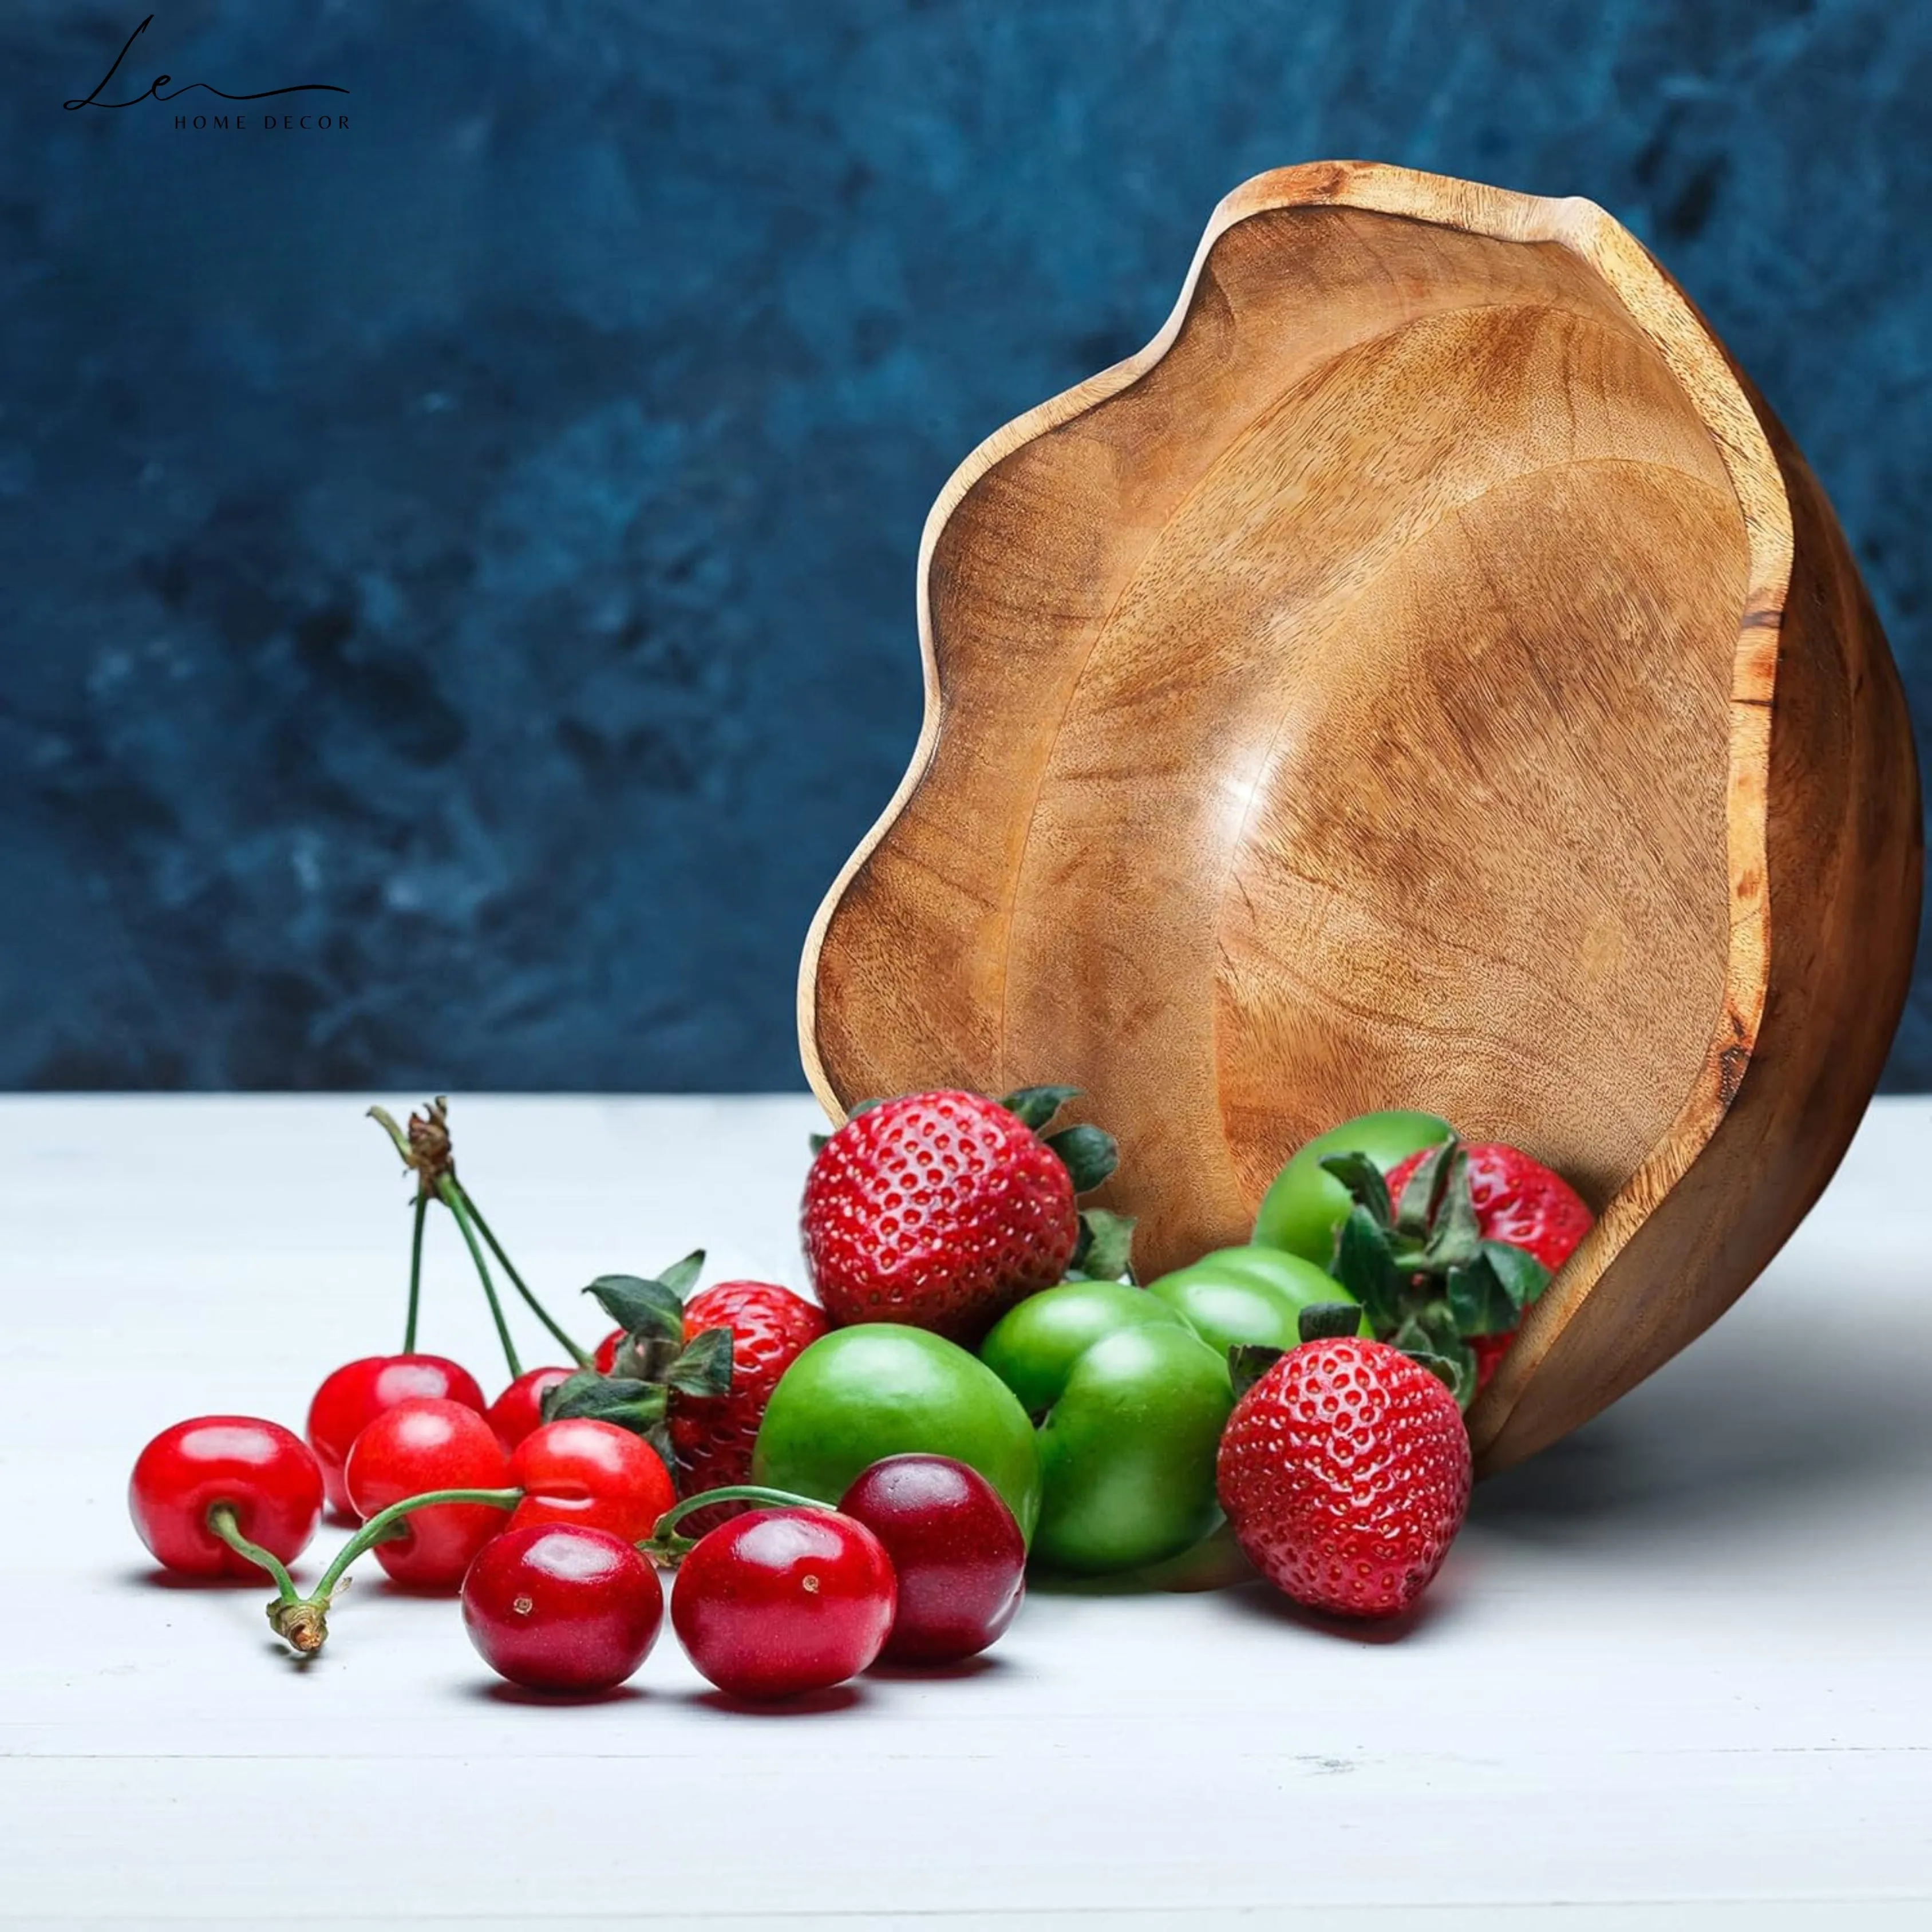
column 981, row 1384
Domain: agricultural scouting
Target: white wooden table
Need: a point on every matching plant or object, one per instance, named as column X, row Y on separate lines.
column 1678, row 1673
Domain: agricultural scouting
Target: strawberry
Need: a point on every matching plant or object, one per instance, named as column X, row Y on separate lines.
column 1519, row 1201
column 692, row 1377
column 1516, row 1200
column 942, row 1209
column 656, row 1359
column 712, row 1435
column 1345, row 1473
column 1422, row 1259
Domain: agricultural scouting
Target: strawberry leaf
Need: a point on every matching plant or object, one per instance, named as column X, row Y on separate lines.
column 1453, row 1236
column 1523, row 1277
column 1104, row 1251
column 1363, row 1266
column 638, row 1406
column 1091, row 1154
column 1488, row 1295
column 1324, row 1321
column 704, row 1367
column 1364, row 1181
column 645, row 1357
column 1430, row 1338
column 1036, row 1106
column 681, row 1277
column 1416, row 1208
column 1477, row 1299
column 1247, row 1363
column 649, row 1308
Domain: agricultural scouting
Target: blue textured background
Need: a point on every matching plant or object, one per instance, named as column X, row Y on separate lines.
column 456, row 573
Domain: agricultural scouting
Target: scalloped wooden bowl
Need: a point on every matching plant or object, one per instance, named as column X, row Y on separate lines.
column 1427, row 675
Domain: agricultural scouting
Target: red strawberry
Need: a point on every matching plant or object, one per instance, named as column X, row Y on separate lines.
column 942, row 1209
column 1520, row 1201
column 1488, row 1351
column 712, row 1434
column 1517, row 1200
column 1344, row 1473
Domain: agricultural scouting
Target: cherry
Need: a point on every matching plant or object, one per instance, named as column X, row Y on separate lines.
column 604, row 1358
column 956, row 1550
column 782, row 1601
column 557, row 1606
column 519, row 1409
column 264, row 1475
column 352, row 1397
column 591, row 1473
column 422, row 1445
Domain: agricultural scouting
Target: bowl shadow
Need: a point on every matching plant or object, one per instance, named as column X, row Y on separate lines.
column 1768, row 1412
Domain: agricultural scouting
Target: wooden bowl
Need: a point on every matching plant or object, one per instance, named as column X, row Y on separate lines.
column 1427, row 675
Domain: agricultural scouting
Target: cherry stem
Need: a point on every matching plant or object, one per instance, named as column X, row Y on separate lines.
column 578, row 1355
column 303, row 1621
column 664, row 1545
column 416, row 1274
column 452, row 1198
column 221, row 1520
column 438, row 1177
column 386, row 1121
column 377, row 1528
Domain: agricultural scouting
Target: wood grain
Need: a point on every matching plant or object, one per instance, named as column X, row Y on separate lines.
column 1427, row 676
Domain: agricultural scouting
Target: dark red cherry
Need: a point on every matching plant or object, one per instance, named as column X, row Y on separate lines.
column 958, row 1554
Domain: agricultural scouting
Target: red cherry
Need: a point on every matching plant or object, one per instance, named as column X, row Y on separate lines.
column 421, row 1445
column 604, row 1360
column 519, row 1409
column 260, row 1470
column 591, row 1473
column 555, row 1606
column 783, row 1601
column 956, row 1550
column 352, row 1397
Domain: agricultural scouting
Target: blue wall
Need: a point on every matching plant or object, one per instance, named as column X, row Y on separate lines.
column 458, row 571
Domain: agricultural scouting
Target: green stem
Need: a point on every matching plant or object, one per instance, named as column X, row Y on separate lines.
column 221, row 1520
column 664, row 1545
column 452, row 1199
column 377, row 1528
column 416, row 1274
column 386, row 1121
column 578, row 1355
column 303, row 1621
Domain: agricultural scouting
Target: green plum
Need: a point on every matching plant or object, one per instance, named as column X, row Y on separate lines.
column 1237, row 1295
column 1132, row 1419
column 1304, row 1206
column 1034, row 1346
column 862, row 1393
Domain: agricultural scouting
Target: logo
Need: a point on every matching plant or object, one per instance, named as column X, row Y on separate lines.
column 161, row 80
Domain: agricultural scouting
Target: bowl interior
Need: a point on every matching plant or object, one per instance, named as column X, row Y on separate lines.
column 1335, row 716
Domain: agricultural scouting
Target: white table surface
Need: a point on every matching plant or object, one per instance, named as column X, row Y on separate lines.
column 1677, row 1673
